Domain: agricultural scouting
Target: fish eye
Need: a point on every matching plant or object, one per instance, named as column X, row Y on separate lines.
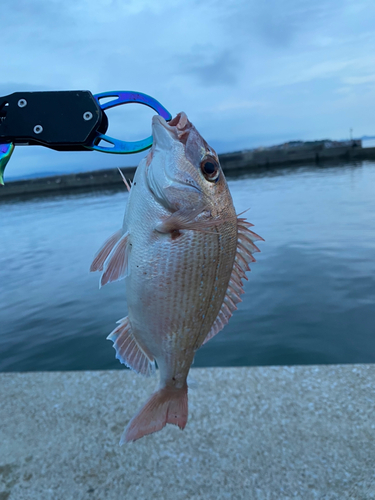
column 210, row 169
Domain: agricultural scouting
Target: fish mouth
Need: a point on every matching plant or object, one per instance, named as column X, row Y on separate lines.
column 179, row 127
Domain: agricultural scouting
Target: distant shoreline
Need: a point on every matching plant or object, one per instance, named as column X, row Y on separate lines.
column 236, row 162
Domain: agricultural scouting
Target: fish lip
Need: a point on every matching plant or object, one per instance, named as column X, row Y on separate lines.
column 180, row 127
column 159, row 120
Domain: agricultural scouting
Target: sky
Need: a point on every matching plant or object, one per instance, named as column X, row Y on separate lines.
column 247, row 73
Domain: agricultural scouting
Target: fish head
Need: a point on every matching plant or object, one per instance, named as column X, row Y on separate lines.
column 183, row 171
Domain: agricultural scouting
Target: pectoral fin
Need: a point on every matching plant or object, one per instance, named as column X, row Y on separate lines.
column 186, row 218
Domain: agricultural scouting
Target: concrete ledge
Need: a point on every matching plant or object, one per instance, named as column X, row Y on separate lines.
column 254, row 433
column 232, row 163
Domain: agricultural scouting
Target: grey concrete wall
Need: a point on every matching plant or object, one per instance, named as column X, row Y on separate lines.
column 231, row 162
column 58, row 183
column 270, row 433
column 272, row 157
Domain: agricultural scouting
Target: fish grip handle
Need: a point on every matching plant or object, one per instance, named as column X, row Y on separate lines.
column 61, row 120
column 67, row 121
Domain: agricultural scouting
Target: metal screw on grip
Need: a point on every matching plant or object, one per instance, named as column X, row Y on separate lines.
column 87, row 116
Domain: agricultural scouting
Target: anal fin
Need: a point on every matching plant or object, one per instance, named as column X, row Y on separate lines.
column 128, row 350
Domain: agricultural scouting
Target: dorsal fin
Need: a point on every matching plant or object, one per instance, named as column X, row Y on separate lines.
column 244, row 255
column 127, row 184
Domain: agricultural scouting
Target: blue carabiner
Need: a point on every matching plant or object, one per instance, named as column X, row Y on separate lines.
column 6, row 151
column 126, row 97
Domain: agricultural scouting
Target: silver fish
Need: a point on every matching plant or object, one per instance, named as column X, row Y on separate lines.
column 183, row 253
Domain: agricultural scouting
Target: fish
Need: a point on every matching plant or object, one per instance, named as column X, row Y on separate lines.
column 184, row 253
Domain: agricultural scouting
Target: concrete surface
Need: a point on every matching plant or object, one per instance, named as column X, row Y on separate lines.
column 253, row 433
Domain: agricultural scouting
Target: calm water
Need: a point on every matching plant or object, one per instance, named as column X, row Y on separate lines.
column 310, row 297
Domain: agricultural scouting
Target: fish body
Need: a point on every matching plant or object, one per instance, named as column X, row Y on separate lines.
column 183, row 253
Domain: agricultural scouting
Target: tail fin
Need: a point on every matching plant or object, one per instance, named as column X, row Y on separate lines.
column 166, row 406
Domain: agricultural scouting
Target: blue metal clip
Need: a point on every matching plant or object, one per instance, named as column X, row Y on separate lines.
column 124, row 147
column 6, row 151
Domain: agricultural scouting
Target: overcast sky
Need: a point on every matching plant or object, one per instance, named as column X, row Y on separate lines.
column 247, row 73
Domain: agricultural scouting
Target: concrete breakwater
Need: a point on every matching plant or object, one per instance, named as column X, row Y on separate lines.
column 265, row 433
column 241, row 161
column 269, row 157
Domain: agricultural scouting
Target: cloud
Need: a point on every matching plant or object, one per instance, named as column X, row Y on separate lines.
column 242, row 71
column 359, row 80
column 274, row 23
column 210, row 67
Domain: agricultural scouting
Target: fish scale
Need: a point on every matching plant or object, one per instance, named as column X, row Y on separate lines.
column 182, row 270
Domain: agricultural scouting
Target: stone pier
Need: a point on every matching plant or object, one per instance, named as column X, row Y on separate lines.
column 267, row 433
